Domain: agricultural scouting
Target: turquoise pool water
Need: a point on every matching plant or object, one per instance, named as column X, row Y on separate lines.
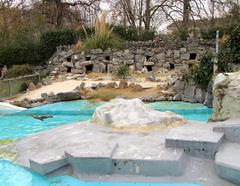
column 195, row 112
column 13, row 175
column 18, row 125
column 22, row 124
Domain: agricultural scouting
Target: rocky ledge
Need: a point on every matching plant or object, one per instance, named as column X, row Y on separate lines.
column 226, row 93
column 123, row 113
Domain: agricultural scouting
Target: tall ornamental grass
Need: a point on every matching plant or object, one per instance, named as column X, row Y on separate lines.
column 103, row 37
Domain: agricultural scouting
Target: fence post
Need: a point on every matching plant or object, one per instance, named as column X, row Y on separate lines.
column 10, row 87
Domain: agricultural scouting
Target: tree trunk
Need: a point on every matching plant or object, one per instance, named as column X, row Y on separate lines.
column 140, row 14
column 147, row 15
column 186, row 13
column 59, row 15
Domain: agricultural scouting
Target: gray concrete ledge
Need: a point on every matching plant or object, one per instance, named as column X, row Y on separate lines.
column 197, row 140
column 230, row 128
column 227, row 162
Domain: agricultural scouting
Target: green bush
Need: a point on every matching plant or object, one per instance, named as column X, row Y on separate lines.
column 202, row 73
column 183, row 34
column 19, row 70
column 122, row 71
column 131, row 33
column 20, row 52
column 127, row 33
column 210, row 33
column 230, row 52
column 103, row 42
column 83, row 33
column 51, row 39
column 147, row 35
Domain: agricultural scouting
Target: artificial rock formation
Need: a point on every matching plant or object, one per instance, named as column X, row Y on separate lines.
column 226, row 94
column 123, row 113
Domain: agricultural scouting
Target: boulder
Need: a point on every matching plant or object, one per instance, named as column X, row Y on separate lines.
column 177, row 97
column 68, row 64
column 51, row 94
column 161, row 56
column 226, row 96
column 183, row 50
column 179, row 85
column 133, row 113
column 46, row 81
column 82, row 85
column 123, row 84
column 140, row 58
column 149, row 53
column 140, row 51
column 209, row 96
column 31, row 86
column 148, row 63
column 189, row 93
column 39, row 85
column 199, row 95
column 69, row 96
column 138, row 87
column 128, row 55
column 96, row 51
column 176, row 54
column 129, row 62
column 25, row 103
column 44, row 96
column 139, row 66
column 111, row 85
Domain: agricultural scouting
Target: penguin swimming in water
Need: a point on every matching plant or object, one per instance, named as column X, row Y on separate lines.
column 42, row 117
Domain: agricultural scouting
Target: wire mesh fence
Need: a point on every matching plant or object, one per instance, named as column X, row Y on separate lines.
column 14, row 86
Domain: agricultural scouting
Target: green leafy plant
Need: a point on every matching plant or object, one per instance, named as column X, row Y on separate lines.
column 20, row 52
column 131, row 33
column 202, row 73
column 19, row 70
column 103, row 37
column 51, row 39
column 230, row 52
column 183, row 34
column 122, row 71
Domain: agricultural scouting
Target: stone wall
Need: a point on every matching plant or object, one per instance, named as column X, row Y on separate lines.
column 138, row 56
column 190, row 92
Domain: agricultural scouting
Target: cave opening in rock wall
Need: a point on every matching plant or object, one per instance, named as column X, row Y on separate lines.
column 149, row 68
column 148, row 58
column 190, row 66
column 69, row 69
column 69, row 59
column 172, row 66
column 107, row 58
column 193, row 56
column 89, row 68
column 88, row 58
column 106, row 68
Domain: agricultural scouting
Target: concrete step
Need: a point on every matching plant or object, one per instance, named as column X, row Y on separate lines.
column 47, row 162
column 148, row 156
column 227, row 162
column 92, row 158
column 196, row 139
column 230, row 128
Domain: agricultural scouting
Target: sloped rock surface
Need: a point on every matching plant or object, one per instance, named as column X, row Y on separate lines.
column 133, row 113
column 226, row 93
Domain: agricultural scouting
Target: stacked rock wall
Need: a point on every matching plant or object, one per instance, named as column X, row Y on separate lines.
column 137, row 55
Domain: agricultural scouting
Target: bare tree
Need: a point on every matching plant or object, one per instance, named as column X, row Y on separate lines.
column 79, row 11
